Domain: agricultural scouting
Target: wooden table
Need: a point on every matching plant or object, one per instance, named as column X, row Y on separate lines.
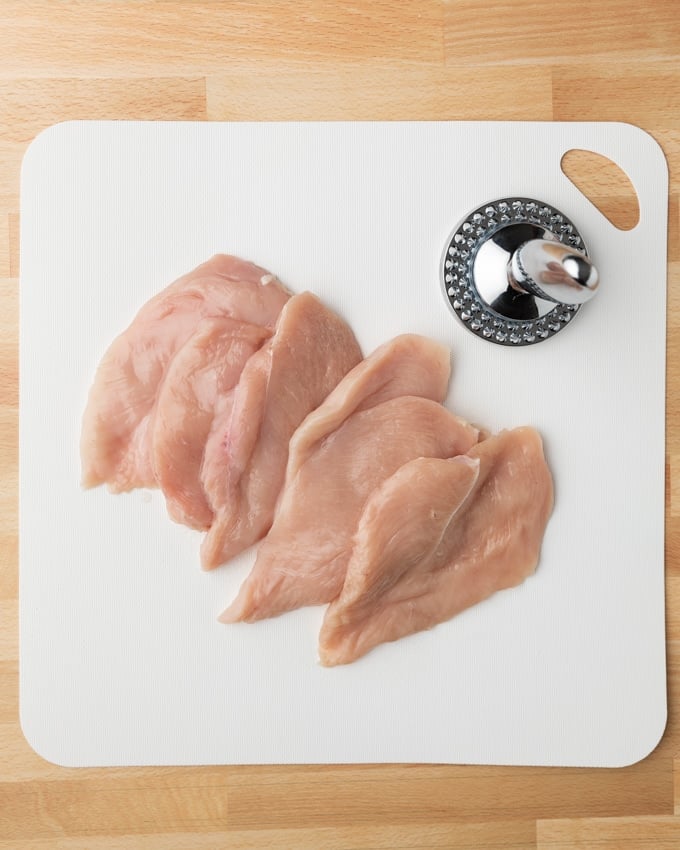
column 415, row 59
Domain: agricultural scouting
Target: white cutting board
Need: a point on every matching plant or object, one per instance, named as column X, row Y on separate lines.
column 122, row 658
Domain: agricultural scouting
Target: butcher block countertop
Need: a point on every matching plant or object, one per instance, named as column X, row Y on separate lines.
column 615, row 60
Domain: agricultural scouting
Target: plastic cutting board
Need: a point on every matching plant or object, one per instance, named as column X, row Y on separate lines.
column 122, row 659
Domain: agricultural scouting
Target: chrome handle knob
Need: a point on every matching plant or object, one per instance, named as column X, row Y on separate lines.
column 516, row 271
column 553, row 271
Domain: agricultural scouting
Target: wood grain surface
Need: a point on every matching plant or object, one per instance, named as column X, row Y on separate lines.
column 368, row 59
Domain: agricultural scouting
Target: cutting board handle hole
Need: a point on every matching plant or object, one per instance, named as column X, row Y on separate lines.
column 605, row 184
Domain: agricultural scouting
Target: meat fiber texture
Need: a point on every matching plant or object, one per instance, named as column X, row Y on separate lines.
column 204, row 371
column 372, row 423
column 116, row 439
column 254, row 412
column 396, row 511
column 201, row 394
column 437, row 537
column 247, row 451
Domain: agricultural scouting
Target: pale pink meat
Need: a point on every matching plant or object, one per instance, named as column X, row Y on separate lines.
column 117, row 423
column 438, row 537
column 247, row 450
column 406, row 365
column 304, row 557
column 205, row 369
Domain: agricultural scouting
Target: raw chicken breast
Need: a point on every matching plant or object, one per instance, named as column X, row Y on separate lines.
column 438, row 537
column 406, row 365
column 304, row 557
column 206, row 368
column 116, row 434
column 247, row 451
